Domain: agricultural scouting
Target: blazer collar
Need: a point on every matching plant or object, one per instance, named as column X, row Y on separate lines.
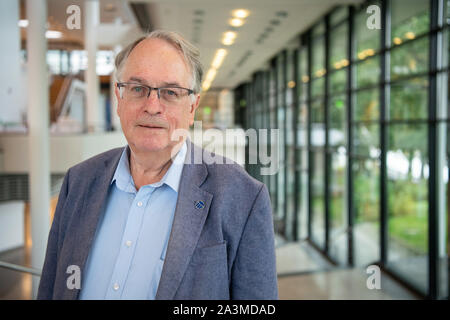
column 96, row 193
column 190, row 214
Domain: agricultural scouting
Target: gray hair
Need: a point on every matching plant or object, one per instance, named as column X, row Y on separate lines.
column 190, row 53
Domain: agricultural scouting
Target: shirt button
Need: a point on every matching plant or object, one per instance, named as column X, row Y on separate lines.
column 139, row 204
column 116, row 286
column 128, row 243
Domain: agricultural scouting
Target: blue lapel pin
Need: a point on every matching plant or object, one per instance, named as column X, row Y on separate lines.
column 199, row 204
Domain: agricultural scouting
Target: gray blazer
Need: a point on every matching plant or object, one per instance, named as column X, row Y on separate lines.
column 223, row 249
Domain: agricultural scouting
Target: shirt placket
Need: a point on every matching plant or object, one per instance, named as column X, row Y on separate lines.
column 128, row 244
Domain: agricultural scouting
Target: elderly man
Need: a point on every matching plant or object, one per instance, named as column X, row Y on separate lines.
column 144, row 221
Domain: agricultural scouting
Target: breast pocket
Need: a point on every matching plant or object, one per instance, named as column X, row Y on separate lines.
column 207, row 274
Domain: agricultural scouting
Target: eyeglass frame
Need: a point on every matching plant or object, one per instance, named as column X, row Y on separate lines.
column 150, row 89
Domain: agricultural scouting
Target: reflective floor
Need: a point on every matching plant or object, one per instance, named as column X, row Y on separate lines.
column 303, row 273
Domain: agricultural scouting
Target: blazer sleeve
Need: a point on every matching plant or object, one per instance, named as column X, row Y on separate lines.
column 253, row 274
column 46, row 284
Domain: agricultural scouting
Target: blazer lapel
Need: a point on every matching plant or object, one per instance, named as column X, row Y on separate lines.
column 190, row 214
column 96, row 195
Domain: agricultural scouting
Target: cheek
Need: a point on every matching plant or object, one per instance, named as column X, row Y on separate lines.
column 178, row 120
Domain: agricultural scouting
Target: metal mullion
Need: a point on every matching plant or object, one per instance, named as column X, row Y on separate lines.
column 327, row 142
column 310, row 163
column 294, row 142
column 350, row 212
column 285, row 129
column 384, row 106
column 433, row 195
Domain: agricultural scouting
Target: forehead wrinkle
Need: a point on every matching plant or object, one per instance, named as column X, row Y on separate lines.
column 163, row 83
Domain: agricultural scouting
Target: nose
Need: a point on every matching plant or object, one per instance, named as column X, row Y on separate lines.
column 152, row 103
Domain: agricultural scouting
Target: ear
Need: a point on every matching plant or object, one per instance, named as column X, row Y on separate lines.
column 194, row 107
column 117, row 93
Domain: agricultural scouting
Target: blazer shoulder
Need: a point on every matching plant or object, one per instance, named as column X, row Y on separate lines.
column 97, row 162
column 228, row 174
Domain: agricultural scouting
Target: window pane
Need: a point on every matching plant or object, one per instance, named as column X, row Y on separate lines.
column 339, row 15
column 318, row 30
column 367, row 40
column 317, row 134
column 318, row 66
column 317, row 111
column 412, row 58
column 54, row 61
column 337, row 132
column 338, row 81
column 338, row 208
column 303, row 79
column 318, row 198
column 317, row 87
column 302, row 125
column 409, row 18
column 338, row 47
column 407, row 171
column 366, row 208
column 366, row 140
column 368, row 72
column 447, row 10
column 409, row 99
column 302, row 209
column 366, row 105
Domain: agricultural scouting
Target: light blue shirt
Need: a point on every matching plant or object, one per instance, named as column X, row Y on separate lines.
column 127, row 256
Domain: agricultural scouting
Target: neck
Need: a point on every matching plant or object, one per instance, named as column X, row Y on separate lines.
column 147, row 168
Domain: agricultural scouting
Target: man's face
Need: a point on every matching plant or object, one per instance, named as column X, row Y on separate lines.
column 148, row 124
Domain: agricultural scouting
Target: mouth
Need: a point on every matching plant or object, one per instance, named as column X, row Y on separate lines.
column 151, row 127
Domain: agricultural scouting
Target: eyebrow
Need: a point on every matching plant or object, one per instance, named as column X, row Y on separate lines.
column 164, row 84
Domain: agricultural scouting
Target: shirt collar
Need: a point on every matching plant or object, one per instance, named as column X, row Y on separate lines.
column 124, row 180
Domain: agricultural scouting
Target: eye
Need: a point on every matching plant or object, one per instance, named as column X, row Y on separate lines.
column 170, row 93
column 137, row 89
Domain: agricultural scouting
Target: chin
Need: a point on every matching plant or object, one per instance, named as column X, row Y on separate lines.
column 153, row 144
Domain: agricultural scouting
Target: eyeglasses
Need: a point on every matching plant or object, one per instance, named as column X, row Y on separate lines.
column 135, row 92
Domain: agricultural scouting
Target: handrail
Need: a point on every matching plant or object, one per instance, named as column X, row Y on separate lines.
column 20, row 268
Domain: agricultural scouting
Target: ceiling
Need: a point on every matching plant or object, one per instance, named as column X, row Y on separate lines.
column 271, row 26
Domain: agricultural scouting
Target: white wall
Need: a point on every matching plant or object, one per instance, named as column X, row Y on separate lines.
column 65, row 150
column 12, row 97
column 12, row 225
column 68, row 150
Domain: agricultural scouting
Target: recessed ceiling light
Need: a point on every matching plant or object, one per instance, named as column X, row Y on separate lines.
column 23, row 23
column 52, row 34
column 227, row 41
column 236, row 22
column 211, row 75
column 218, row 58
column 240, row 13
column 228, row 38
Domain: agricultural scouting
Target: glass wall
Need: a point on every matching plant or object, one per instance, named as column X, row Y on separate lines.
column 363, row 117
column 302, row 141
column 407, row 155
column 316, row 106
column 365, row 130
column 289, row 145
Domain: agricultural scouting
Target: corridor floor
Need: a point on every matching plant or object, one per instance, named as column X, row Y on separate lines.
column 303, row 273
